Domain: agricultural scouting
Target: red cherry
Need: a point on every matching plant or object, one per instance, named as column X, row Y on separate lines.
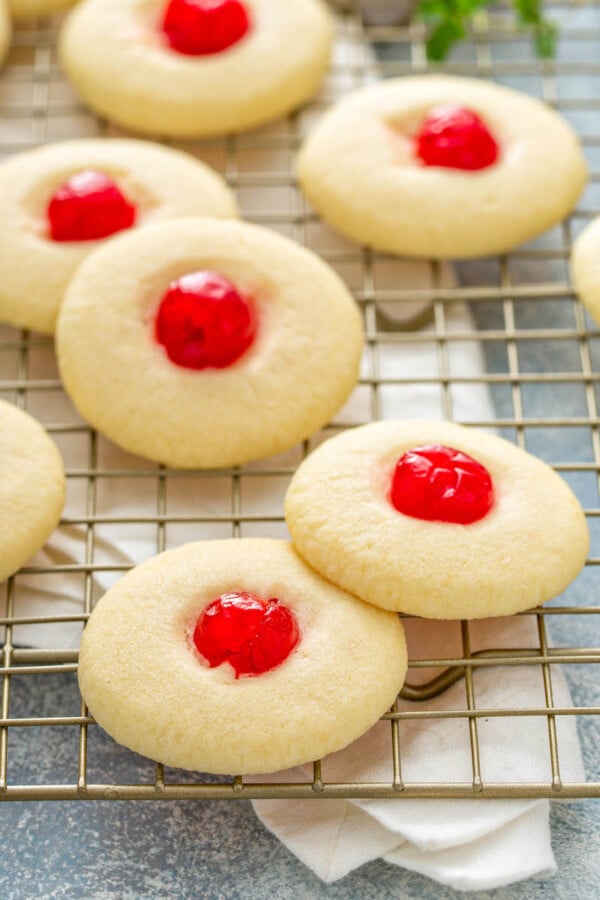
column 456, row 138
column 204, row 322
column 88, row 207
column 441, row 484
column 202, row 27
column 252, row 635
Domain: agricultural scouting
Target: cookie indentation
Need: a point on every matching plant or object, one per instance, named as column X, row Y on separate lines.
column 89, row 206
column 456, row 138
column 205, row 27
column 204, row 322
column 254, row 636
column 440, row 484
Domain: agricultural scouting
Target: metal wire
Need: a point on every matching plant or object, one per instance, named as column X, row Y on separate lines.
column 520, row 318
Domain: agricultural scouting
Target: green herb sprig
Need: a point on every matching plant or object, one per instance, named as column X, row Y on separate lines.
column 448, row 21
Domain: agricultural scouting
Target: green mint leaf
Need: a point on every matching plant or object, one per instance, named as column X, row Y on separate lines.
column 545, row 39
column 442, row 38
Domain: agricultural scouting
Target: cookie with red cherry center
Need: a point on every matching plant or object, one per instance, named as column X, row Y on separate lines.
column 436, row 520
column 442, row 167
column 235, row 657
column 204, row 344
column 58, row 202
column 194, row 68
column 32, row 487
column 27, row 9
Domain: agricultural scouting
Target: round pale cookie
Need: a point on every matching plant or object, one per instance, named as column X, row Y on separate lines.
column 32, row 488
column 147, row 685
column 298, row 370
column 585, row 267
column 119, row 60
column 5, row 31
column 400, row 205
column 523, row 552
column 26, row 9
column 162, row 184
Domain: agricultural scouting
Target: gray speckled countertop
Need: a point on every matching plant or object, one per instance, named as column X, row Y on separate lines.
column 218, row 850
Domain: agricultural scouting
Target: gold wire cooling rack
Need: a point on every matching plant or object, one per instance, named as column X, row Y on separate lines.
column 542, row 371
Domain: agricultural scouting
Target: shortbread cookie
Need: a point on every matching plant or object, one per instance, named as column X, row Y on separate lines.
column 58, row 201
column 5, row 31
column 442, row 167
column 204, row 344
column 234, row 657
column 32, row 488
column 436, row 520
column 585, row 267
column 188, row 70
column 26, row 9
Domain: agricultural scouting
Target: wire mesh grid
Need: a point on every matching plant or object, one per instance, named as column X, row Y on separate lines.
column 540, row 355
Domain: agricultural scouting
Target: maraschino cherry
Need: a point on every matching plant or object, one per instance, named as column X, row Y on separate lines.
column 204, row 322
column 204, row 27
column 252, row 635
column 89, row 206
column 441, row 484
column 456, row 138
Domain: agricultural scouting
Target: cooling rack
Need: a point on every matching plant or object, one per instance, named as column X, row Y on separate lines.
column 540, row 370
